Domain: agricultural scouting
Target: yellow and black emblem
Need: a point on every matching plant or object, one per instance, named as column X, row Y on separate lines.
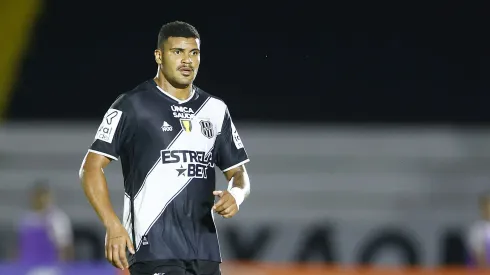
column 186, row 125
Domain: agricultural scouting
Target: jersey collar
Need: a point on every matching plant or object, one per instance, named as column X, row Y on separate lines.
column 191, row 95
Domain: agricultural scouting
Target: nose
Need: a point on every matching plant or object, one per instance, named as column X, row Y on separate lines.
column 187, row 59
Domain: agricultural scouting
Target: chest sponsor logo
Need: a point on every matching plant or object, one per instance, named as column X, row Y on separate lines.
column 182, row 112
column 192, row 164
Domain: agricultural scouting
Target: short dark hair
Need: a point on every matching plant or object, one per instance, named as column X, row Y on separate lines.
column 176, row 29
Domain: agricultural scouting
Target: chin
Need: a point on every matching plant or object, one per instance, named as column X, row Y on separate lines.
column 180, row 83
column 184, row 82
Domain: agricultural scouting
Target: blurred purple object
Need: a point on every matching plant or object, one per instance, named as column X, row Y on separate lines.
column 62, row 269
column 36, row 245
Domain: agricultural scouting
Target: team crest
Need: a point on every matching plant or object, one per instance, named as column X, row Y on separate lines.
column 186, row 125
column 207, row 128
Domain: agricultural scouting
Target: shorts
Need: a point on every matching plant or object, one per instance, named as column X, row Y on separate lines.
column 175, row 267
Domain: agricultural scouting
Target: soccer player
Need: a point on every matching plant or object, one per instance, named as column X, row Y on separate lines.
column 45, row 233
column 169, row 135
column 478, row 242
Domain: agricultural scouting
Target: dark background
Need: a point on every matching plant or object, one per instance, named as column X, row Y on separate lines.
column 280, row 61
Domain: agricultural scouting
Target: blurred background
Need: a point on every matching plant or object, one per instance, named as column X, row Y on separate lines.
column 367, row 126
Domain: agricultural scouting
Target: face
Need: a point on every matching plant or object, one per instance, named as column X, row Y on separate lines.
column 485, row 209
column 179, row 60
column 41, row 200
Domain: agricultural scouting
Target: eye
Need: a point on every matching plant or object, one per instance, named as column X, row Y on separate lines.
column 177, row 52
column 195, row 53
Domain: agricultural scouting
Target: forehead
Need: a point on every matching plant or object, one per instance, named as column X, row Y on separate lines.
column 182, row 43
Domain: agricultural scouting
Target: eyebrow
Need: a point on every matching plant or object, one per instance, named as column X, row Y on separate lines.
column 181, row 49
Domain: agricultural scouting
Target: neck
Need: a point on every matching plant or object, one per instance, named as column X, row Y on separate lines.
column 181, row 93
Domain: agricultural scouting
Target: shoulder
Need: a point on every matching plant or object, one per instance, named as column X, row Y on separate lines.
column 212, row 99
column 477, row 229
column 58, row 217
column 28, row 218
column 477, row 233
column 125, row 101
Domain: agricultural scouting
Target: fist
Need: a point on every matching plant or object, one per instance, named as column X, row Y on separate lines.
column 226, row 205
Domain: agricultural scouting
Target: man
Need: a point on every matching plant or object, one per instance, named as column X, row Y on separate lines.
column 45, row 234
column 169, row 135
column 479, row 236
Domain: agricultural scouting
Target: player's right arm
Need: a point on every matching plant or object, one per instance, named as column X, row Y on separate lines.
column 112, row 136
column 95, row 187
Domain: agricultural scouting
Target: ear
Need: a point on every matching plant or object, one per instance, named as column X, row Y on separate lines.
column 158, row 56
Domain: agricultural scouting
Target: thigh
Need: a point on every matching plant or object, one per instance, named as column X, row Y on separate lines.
column 158, row 268
column 205, row 268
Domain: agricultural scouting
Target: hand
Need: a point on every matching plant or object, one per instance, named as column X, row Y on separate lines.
column 226, row 205
column 117, row 239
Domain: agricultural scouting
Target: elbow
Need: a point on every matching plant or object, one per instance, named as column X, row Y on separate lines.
column 82, row 172
column 88, row 166
column 84, row 169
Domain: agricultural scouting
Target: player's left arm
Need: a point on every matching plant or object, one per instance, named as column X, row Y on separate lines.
column 231, row 158
column 238, row 179
column 238, row 190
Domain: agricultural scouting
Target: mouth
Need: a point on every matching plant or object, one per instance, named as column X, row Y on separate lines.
column 186, row 71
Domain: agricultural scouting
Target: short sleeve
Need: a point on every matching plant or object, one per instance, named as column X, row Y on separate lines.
column 230, row 151
column 115, row 130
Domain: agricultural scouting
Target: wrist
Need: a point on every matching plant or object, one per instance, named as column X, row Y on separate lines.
column 112, row 222
column 238, row 194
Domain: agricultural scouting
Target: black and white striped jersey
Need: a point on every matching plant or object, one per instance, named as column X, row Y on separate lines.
column 168, row 150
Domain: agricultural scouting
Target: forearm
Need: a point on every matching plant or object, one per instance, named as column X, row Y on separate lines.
column 242, row 181
column 239, row 186
column 95, row 188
